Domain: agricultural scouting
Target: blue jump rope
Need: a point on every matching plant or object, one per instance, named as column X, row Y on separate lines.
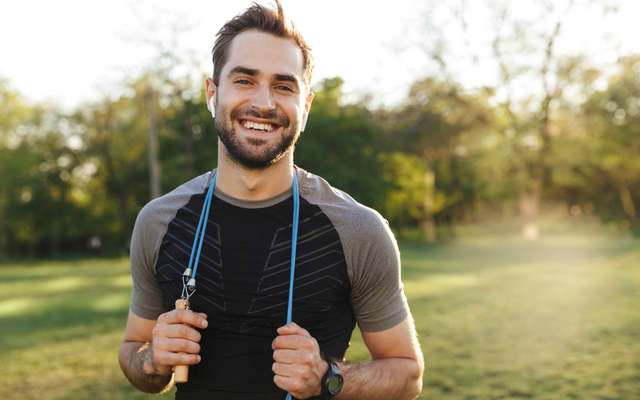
column 189, row 275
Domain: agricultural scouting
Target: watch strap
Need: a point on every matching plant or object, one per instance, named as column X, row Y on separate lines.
column 332, row 371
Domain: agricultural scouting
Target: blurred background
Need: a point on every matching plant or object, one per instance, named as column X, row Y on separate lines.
column 501, row 139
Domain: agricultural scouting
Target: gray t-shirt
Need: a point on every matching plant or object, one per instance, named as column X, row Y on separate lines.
column 347, row 271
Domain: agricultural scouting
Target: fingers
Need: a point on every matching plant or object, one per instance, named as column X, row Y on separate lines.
column 198, row 320
column 287, row 370
column 287, row 384
column 180, row 324
column 176, row 345
column 295, row 342
column 293, row 329
column 166, row 358
column 177, row 331
column 298, row 367
column 175, row 338
column 288, row 356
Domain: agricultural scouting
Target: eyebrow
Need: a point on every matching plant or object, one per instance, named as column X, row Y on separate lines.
column 244, row 70
column 254, row 72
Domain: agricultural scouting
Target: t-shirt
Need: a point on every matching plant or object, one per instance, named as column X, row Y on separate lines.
column 347, row 272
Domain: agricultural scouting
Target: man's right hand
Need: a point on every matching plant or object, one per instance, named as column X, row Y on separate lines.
column 175, row 341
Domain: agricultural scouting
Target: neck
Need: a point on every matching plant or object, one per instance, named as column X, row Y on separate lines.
column 242, row 183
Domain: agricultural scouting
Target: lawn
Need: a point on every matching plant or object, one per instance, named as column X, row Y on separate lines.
column 498, row 318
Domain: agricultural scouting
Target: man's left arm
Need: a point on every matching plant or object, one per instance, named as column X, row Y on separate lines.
column 383, row 315
column 395, row 371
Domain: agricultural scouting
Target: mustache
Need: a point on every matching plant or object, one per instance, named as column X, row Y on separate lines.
column 272, row 115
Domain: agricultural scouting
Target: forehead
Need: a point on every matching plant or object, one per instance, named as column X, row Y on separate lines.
column 265, row 52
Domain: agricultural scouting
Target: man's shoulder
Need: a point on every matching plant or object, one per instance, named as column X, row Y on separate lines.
column 349, row 215
column 161, row 209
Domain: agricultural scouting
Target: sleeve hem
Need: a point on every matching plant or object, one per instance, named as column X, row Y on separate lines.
column 146, row 313
column 384, row 323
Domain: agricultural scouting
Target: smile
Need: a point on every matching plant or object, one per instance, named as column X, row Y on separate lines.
column 264, row 127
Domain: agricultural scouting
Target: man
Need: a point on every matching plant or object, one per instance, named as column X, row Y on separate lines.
column 347, row 269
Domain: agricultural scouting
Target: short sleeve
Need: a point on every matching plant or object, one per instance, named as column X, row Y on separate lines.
column 146, row 296
column 377, row 294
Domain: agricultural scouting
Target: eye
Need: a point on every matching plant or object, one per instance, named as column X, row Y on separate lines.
column 242, row 81
column 284, row 87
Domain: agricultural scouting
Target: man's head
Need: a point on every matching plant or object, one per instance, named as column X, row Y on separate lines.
column 260, row 90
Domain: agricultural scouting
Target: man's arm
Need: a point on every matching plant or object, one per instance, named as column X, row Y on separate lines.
column 150, row 348
column 136, row 354
column 395, row 373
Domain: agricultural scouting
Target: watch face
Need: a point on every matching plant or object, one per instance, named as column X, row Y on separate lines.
column 334, row 384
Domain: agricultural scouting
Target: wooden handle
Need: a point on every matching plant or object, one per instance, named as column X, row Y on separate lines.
column 181, row 372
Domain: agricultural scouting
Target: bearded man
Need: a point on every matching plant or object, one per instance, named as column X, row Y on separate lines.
column 270, row 240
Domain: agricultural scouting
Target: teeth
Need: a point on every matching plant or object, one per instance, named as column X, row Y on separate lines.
column 255, row 125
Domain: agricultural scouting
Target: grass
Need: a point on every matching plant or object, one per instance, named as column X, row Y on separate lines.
column 498, row 318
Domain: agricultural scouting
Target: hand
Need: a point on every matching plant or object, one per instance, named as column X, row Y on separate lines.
column 298, row 366
column 175, row 341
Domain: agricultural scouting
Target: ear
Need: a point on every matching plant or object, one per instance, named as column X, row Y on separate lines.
column 211, row 88
column 211, row 105
column 307, row 109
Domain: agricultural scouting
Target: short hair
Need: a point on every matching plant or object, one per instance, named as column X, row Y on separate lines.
column 263, row 19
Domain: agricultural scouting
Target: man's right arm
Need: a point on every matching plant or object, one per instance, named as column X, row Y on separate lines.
column 150, row 348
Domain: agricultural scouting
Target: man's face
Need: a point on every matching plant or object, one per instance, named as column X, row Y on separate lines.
column 261, row 99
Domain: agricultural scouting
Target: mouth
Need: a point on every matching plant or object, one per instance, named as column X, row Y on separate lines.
column 258, row 127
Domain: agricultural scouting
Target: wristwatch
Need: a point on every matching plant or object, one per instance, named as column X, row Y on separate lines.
column 332, row 381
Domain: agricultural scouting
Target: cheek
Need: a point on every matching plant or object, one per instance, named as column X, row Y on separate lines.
column 295, row 109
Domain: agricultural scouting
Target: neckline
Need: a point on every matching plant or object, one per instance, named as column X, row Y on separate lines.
column 253, row 203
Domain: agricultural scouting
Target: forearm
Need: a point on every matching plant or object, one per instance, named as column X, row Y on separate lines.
column 135, row 362
column 383, row 379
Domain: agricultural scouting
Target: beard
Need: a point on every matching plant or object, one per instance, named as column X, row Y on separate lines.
column 256, row 153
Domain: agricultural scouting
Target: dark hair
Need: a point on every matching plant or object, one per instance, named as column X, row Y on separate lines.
column 265, row 20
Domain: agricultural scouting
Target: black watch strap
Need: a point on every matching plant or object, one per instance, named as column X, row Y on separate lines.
column 332, row 380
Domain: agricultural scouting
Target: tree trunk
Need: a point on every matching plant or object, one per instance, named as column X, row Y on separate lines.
column 428, row 227
column 188, row 146
column 428, row 224
column 154, row 165
column 529, row 206
column 626, row 200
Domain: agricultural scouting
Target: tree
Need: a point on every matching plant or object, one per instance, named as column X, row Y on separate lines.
column 339, row 143
column 611, row 155
column 532, row 79
column 439, row 124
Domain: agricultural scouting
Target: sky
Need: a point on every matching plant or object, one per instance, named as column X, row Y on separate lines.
column 71, row 51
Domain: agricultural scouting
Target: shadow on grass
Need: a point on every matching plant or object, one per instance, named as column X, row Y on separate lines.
column 51, row 303
column 58, row 323
column 25, row 272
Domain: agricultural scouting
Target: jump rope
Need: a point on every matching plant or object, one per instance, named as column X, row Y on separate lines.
column 189, row 275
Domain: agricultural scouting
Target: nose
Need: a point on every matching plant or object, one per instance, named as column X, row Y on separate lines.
column 262, row 100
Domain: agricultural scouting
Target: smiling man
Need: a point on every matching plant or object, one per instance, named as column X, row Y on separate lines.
column 277, row 241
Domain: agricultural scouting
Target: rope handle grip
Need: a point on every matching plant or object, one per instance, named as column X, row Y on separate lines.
column 181, row 372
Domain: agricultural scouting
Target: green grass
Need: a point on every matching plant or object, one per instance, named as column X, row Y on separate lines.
column 498, row 318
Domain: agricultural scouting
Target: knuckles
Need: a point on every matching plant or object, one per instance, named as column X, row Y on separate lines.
column 296, row 388
column 307, row 358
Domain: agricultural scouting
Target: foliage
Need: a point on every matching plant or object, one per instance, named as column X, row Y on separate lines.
column 72, row 183
column 411, row 196
column 339, row 144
